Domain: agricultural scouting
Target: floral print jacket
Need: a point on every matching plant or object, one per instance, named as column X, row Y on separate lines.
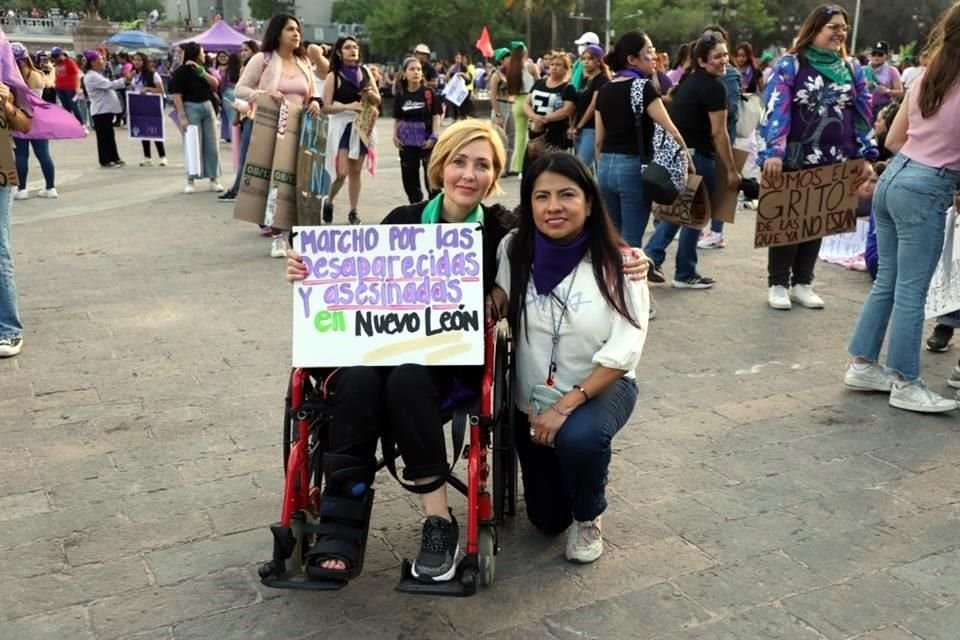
column 795, row 92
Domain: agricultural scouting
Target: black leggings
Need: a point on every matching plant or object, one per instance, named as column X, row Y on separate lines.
column 412, row 159
column 405, row 400
column 106, row 138
column 160, row 149
column 792, row 264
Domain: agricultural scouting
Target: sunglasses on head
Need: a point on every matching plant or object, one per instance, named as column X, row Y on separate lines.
column 831, row 10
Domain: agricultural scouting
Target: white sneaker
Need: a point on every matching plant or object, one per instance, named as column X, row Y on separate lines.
column 915, row 396
column 803, row 295
column 279, row 248
column 21, row 194
column 867, row 377
column 216, row 186
column 584, row 541
column 778, row 298
column 49, row 193
column 10, row 347
column 189, row 188
column 163, row 162
column 146, row 163
column 711, row 240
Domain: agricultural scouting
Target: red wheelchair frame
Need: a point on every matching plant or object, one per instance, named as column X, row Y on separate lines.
column 489, row 420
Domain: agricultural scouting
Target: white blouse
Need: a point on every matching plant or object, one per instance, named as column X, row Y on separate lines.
column 591, row 332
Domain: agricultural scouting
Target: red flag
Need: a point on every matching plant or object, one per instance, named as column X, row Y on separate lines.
column 484, row 45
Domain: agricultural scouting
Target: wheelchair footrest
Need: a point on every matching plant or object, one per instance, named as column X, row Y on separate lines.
column 285, row 570
column 463, row 584
column 301, row 581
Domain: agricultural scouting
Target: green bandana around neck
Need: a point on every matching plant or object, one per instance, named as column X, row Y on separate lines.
column 830, row 64
column 431, row 212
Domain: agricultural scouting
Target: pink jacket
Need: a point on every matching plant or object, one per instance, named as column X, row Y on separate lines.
column 263, row 76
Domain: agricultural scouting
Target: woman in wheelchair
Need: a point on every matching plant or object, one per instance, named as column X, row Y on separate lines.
column 406, row 401
column 579, row 327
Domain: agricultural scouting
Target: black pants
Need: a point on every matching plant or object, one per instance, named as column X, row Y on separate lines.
column 793, row 264
column 160, row 149
column 106, row 139
column 412, row 159
column 405, row 400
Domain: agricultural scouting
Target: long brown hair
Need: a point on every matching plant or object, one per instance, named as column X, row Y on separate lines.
column 515, row 66
column 943, row 66
column 814, row 24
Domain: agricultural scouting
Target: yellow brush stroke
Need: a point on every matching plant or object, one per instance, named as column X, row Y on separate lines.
column 416, row 344
column 439, row 357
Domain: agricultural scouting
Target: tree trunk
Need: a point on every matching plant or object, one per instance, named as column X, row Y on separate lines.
column 553, row 29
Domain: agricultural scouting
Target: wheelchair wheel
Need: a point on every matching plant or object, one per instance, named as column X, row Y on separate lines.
column 486, row 554
column 504, row 457
column 289, row 423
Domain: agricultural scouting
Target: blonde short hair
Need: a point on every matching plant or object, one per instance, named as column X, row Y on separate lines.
column 455, row 138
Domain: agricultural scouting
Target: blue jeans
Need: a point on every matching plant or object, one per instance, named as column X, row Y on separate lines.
column 629, row 208
column 910, row 206
column 41, row 148
column 585, row 147
column 10, row 326
column 202, row 115
column 226, row 114
column 246, row 130
column 569, row 482
column 665, row 232
column 69, row 101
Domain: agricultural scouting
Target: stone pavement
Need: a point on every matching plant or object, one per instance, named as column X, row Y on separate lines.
column 751, row 496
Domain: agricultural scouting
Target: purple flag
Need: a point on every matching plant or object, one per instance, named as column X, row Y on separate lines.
column 50, row 121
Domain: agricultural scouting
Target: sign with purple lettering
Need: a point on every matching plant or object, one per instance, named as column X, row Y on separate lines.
column 385, row 295
column 145, row 118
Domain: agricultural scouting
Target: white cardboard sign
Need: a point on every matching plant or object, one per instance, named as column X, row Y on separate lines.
column 386, row 295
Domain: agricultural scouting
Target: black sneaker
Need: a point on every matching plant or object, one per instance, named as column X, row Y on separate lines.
column 353, row 217
column 696, row 282
column 654, row 274
column 328, row 212
column 437, row 560
column 228, row 196
column 940, row 340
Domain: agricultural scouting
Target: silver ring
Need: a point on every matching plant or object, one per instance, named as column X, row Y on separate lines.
column 533, row 432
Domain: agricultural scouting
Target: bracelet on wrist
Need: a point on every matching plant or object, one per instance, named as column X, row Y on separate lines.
column 565, row 414
column 586, row 396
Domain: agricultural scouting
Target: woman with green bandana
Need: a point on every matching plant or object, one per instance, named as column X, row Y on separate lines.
column 521, row 76
column 818, row 113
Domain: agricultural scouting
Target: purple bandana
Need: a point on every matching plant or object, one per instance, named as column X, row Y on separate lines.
column 50, row 121
column 352, row 74
column 629, row 73
column 552, row 262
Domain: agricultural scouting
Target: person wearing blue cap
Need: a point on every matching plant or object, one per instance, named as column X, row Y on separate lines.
column 67, row 82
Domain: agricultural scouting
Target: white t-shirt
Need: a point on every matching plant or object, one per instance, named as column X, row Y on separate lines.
column 591, row 332
column 911, row 74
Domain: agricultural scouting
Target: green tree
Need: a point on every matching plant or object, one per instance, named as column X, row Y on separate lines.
column 266, row 9
column 126, row 10
column 354, row 11
column 672, row 22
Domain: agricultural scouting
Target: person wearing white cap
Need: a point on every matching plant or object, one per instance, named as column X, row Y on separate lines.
column 430, row 76
column 576, row 74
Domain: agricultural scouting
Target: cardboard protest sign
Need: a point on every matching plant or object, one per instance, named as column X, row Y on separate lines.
column 313, row 182
column 943, row 295
column 690, row 209
column 385, row 295
column 145, row 119
column 8, row 168
column 723, row 200
column 252, row 199
column 281, row 210
column 808, row 204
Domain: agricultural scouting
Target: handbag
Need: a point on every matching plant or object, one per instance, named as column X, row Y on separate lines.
column 665, row 176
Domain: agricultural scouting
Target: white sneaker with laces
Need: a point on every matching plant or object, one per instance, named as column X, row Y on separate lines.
column 146, row 163
column 10, row 347
column 279, row 248
column 803, row 295
column 21, row 194
column 216, row 186
column 778, row 298
column 163, row 162
column 49, row 193
column 189, row 188
column 867, row 377
column 915, row 396
column 584, row 541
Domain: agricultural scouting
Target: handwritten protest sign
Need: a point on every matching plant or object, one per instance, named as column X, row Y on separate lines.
column 145, row 119
column 805, row 205
column 385, row 295
column 943, row 296
column 8, row 169
column 690, row 209
column 456, row 90
column 723, row 199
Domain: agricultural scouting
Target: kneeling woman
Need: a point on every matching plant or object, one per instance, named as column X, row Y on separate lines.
column 579, row 327
column 406, row 401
